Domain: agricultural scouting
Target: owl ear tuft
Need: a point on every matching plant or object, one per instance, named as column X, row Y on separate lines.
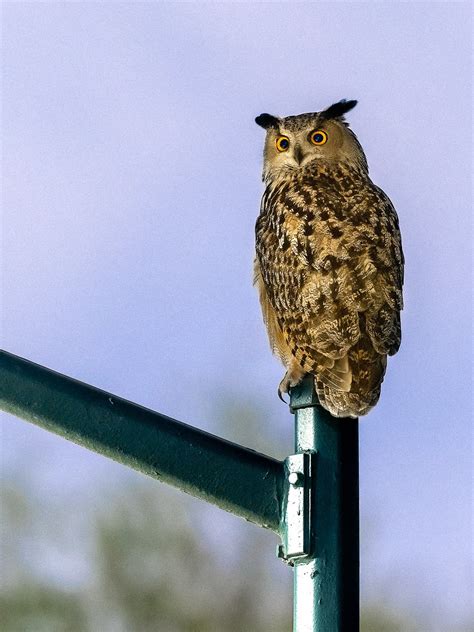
column 267, row 120
column 338, row 109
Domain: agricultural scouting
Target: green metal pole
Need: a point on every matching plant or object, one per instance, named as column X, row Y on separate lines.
column 311, row 499
column 230, row 476
column 326, row 581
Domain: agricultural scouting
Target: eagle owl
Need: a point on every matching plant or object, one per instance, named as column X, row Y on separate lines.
column 329, row 260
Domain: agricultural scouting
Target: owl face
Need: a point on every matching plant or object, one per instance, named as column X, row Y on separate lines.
column 294, row 142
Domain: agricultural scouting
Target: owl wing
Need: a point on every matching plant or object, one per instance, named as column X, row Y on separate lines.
column 386, row 260
column 332, row 266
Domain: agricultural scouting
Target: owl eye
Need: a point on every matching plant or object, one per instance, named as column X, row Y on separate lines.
column 282, row 143
column 318, row 137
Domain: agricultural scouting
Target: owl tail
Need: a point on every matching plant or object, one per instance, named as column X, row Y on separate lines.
column 355, row 395
column 341, row 404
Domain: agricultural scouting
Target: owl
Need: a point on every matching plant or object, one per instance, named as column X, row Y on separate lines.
column 329, row 260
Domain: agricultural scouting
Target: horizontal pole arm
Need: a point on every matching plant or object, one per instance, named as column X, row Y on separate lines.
column 234, row 478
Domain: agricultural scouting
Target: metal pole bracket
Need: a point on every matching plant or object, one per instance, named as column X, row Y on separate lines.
column 296, row 526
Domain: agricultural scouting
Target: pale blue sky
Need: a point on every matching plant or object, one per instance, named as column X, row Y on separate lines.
column 131, row 166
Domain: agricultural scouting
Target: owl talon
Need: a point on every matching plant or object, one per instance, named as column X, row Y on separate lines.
column 292, row 377
column 287, row 382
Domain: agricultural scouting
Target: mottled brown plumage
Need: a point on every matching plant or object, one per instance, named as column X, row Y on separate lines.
column 329, row 261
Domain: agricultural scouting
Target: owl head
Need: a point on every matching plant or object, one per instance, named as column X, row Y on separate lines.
column 295, row 142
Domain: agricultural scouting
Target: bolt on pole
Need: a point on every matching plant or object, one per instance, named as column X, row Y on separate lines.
column 326, row 573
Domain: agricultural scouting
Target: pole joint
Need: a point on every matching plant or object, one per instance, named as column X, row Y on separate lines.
column 303, row 395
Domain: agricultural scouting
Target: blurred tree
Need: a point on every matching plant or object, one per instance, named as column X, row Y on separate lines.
column 149, row 571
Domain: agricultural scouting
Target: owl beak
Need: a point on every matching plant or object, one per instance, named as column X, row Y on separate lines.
column 298, row 154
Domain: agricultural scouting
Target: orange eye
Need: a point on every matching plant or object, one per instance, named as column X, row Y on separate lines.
column 282, row 143
column 318, row 137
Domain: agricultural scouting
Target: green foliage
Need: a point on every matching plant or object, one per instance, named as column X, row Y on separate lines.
column 39, row 608
column 378, row 620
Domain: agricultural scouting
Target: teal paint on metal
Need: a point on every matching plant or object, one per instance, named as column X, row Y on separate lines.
column 326, row 588
column 321, row 485
column 237, row 479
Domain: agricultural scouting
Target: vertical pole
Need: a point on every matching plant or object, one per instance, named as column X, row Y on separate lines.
column 326, row 582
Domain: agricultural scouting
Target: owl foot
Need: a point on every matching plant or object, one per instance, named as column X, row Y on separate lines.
column 292, row 377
